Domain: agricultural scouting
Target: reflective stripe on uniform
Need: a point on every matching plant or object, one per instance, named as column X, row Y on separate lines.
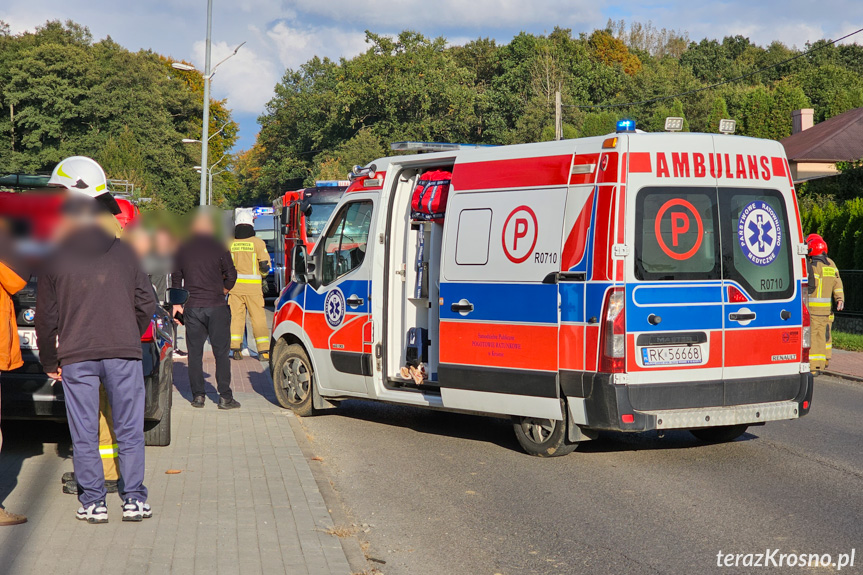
column 236, row 336
column 248, row 279
column 817, row 356
column 264, row 339
column 109, row 451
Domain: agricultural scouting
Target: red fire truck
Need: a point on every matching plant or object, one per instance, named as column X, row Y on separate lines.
column 300, row 218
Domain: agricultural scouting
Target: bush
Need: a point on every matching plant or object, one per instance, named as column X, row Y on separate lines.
column 839, row 225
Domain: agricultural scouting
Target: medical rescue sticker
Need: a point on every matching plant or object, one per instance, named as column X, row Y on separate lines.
column 334, row 307
column 759, row 233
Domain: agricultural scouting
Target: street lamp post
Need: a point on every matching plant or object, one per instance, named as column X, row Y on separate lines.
column 206, row 127
column 208, row 76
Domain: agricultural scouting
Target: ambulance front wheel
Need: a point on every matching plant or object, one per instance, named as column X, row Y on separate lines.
column 719, row 434
column 544, row 437
column 293, row 378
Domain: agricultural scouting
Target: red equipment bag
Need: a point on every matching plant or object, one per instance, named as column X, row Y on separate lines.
column 429, row 200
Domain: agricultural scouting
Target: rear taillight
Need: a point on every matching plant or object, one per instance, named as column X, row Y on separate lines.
column 148, row 335
column 614, row 334
column 807, row 326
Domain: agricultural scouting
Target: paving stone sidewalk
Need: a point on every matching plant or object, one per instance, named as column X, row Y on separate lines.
column 846, row 364
column 244, row 502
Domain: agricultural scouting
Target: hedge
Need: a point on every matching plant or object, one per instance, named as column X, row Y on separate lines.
column 841, row 226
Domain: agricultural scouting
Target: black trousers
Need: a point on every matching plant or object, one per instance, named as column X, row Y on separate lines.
column 214, row 322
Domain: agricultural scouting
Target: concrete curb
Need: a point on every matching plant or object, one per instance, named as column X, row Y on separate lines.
column 350, row 545
column 847, row 376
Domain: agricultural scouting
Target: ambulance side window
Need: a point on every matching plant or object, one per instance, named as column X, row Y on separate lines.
column 676, row 234
column 344, row 245
column 474, row 230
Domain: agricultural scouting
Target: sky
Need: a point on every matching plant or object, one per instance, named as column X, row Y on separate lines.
column 282, row 34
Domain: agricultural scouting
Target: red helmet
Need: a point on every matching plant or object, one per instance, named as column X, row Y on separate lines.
column 811, row 237
column 817, row 246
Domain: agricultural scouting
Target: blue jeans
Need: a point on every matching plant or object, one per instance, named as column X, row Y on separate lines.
column 124, row 383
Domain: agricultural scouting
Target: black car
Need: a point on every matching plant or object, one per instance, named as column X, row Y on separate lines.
column 28, row 393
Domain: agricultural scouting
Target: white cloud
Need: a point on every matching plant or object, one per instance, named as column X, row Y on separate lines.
column 296, row 44
column 477, row 15
column 246, row 79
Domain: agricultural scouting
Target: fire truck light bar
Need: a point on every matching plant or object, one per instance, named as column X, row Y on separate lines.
column 332, row 183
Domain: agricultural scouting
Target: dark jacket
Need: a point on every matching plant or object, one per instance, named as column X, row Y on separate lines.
column 94, row 298
column 204, row 267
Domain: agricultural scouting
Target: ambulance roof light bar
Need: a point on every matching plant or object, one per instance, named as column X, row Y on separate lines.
column 625, row 126
column 673, row 124
column 433, row 146
column 727, row 126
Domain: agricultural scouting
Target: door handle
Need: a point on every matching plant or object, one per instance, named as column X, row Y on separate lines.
column 463, row 307
column 747, row 316
column 355, row 301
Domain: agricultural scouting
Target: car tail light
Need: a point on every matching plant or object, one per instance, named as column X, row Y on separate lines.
column 614, row 334
column 148, row 335
column 807, row 325
column 627, row 418
column 735, row 295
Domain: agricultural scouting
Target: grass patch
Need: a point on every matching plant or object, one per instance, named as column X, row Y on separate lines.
column 847, row 341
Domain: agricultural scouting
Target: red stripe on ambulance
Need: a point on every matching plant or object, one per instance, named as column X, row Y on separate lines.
column 469, row 345
column 517, row 173
column 699, row 165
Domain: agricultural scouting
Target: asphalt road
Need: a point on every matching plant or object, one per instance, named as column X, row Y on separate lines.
column 453, row 494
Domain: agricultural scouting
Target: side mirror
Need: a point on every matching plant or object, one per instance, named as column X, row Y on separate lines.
column 177, row 296
column 283, row 217
column 301, row 270
column 306, row 208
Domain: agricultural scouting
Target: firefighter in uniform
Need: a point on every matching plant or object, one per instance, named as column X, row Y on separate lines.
column 825, row 286
column 253, row 263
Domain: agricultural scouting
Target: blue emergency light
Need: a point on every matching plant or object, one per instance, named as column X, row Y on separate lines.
column 260, row 211
column 626, row 125
column 332, row 183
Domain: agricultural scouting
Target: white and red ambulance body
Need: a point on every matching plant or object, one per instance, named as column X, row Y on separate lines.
column 628, row 282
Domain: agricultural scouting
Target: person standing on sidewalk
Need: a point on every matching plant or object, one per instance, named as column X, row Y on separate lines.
column 95, row 302
column 252, row 261
column 204, row 267
column 825, row 286
column 13, row 278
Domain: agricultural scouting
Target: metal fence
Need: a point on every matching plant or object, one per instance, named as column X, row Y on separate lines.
column 852, row 282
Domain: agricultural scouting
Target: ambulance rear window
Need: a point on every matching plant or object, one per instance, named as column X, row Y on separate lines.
column 676, row 235
column 757, row 254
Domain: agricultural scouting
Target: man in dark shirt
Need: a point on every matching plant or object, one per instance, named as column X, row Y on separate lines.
column 95, row 302
column 204, row 267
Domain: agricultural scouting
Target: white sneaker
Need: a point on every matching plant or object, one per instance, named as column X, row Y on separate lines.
column 95, row 513
column 134, row 510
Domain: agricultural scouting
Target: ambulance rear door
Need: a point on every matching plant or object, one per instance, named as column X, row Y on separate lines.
column 674, row 296
column 762, row 269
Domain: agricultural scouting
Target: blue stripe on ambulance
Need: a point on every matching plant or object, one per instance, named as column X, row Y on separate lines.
column 524, row 303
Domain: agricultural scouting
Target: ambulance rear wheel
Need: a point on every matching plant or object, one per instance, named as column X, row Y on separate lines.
column 293, row 378
column 719, row 434
column 543, row 437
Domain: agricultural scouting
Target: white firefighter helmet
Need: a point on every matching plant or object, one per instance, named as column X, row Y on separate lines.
column 82, row 175
column 244, row 216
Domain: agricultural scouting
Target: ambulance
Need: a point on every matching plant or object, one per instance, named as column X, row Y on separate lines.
column 631, row 282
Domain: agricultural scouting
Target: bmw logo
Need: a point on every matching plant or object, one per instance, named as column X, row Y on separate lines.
column 29, row 315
